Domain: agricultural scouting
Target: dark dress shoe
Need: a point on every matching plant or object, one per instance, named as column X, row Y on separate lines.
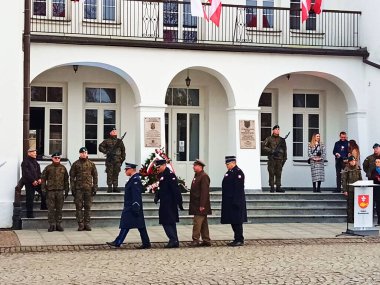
column 205, row 244
column 112, row 243
column 143, row 246
column 194, row 243
column 87, row 227
column 172, row 245
column 51, row 228
column 235, row 243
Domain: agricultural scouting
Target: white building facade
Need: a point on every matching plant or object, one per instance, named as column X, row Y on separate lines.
column 117, row 63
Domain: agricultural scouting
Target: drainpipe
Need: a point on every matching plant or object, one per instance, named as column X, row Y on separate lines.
column 26, row 49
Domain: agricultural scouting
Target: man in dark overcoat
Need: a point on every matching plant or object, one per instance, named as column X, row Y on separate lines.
column 200, row 204
column 132, row 216
column 170, row 198
column 234, row 210
column 31, row 177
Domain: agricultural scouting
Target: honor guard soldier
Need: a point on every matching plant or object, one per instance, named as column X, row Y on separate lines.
column 114, row 149
column 55, row 182
column 133, row 214
column 170, row 198
column 84, row 184
column 234, row 209
column 275, row 147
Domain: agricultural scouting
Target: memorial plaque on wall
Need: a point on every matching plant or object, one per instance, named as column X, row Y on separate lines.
column 152, row 132
column 247, row 134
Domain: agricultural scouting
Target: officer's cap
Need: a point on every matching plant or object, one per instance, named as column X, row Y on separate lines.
column 199, row 162
column 160, row 162
column 230, row 158
column 130, row 165
column 275, row 127
column 376, row 145
column 57, row 153
column 82, row 149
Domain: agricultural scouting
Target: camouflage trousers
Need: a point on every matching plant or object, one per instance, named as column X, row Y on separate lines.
column 275, row 171
column 83, row 202
column 54, row 201
column 113, row 170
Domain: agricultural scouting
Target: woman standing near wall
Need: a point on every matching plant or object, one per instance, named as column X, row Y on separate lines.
column 317, row 156
column 353, row 150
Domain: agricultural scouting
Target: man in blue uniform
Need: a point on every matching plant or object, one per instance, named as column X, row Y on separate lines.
column 170, row 198
column 132, row 216
column 340, row 152
column 234, row 210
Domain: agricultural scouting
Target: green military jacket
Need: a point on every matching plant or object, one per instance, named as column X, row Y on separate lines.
column 118, row 154
column 83, row 175
column 369, row 164
column 350, row 175
column 55, row 177
column 270, row 146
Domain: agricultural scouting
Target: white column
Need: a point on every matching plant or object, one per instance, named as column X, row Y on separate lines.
column 144, row 111
column 247, row 159
column 358, row 129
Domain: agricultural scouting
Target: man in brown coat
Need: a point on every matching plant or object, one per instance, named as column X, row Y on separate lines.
column 200, row 204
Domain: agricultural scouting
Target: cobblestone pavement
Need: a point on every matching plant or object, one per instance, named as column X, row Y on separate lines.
column 319, row 261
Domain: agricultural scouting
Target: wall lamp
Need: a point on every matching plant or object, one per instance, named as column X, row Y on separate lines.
column 188, row 80
column 75, row 67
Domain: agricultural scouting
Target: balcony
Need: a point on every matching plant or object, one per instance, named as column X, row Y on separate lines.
column 165, row 24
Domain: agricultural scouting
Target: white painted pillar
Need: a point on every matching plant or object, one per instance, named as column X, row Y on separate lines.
column 357, row 122
column 247, row 159
column 145, row 111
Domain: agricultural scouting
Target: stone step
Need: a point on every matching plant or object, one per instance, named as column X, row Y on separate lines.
column 113, row 221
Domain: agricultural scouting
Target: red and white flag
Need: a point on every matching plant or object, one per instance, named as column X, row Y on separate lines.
column 197, row 9
column 305, row 5
column 317, row 6
column 215, row 11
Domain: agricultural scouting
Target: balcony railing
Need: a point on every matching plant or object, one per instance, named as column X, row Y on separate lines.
column 171, row 22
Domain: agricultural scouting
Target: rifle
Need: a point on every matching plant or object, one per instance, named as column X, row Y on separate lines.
column 110, row 155
column 275, row 151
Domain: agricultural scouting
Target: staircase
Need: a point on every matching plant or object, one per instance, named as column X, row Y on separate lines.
column 262, row 207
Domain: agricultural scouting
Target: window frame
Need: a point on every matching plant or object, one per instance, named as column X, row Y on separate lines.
column 101, row 107
column 311, row 24
column 100, row 8
column 53, row 106
column 49, row 10
column 305, row 112
column 260, row 14
column 268, row 110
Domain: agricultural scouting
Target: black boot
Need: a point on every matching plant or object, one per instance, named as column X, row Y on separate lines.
column 109, row 189
column 51, row 228
column 115, row 189
column 279, row 189
column 314, row 187
column 319, row 186
column 272, row 189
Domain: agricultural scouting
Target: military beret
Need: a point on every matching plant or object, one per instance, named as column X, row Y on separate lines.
column 57, row 153
column 130, row 165
column 160, row 162
column 376, row 145
column 230, row 158
column 82, row 149
column 351, row 158
column 199, row 162
column 275, row 127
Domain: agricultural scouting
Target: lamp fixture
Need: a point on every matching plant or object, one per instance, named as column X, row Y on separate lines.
column 75, row 67
column 188, row 80
column 288, row 76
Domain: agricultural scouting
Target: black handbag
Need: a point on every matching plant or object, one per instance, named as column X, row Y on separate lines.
column 308, row 161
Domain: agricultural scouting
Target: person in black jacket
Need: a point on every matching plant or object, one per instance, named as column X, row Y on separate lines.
column 31, row 177
column 133, row 214
column 170, row 198
column 340, row 152
column 234, row 210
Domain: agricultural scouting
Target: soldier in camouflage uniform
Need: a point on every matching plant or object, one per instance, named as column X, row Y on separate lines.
column 350, row 174
column 115, row 157
column 55, row 181
column 84, row 184
column 275, row 147
column 369, row 162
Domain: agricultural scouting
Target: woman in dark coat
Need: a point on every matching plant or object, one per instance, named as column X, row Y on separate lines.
column 170, row 199
column 132, row 216
column 234, row 210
